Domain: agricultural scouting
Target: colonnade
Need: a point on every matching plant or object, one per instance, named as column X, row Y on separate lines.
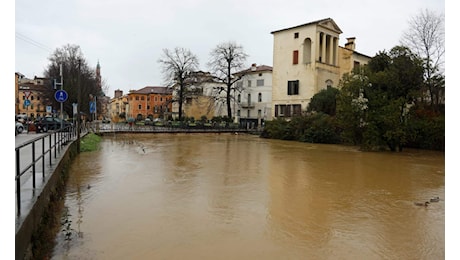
column 327, row 49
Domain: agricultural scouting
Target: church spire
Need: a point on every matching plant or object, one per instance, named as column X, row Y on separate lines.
column 98, row 76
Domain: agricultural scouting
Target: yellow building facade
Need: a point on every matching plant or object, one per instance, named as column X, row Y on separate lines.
column 32, row 96
column 306, row 59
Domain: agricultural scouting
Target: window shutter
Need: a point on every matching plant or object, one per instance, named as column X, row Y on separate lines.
column 295, row 57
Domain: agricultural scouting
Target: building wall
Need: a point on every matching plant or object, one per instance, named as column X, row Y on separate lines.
column 309, row 54
column 34, row 91
column 118, row 105
column 199, row 106
column 248, row 105
column 154, row 104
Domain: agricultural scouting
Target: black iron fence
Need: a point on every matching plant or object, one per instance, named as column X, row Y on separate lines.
column 36, row 154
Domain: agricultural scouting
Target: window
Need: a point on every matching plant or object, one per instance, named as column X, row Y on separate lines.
column 249, row 99
column 137, row 97
column 328, row 83
column 296, row 35
column 293, row 87
column 249, row 113
column 148, row 107
column 239, row 98
column 259, row 113
column 355, row 64
column 260, row 82
column 295, row 57
column 140, row 107
column 249, row 83
column 239, row 84
column 238, row 113
column 296, row 110
column 280, row 110
column 260, row 97
column 142, row 98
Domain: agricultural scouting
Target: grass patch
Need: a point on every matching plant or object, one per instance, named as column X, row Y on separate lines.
column 90, row 142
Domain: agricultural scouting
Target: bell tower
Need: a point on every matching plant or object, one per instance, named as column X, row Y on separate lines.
column 98, row 77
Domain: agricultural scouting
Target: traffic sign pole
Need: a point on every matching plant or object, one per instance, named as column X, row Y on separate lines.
column 62, row 103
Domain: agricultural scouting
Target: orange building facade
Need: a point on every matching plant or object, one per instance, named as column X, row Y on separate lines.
column 152, row 102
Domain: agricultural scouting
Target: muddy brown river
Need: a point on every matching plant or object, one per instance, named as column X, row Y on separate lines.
column 224, row 196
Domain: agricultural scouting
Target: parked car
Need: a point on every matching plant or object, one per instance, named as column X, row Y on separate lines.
column 19, row 128
column 22, row 118
column 148, row 121
column 50, row 123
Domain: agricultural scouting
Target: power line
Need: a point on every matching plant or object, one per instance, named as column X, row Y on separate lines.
column 33, row 42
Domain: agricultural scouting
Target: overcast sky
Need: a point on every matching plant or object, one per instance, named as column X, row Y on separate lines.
column 127, row 37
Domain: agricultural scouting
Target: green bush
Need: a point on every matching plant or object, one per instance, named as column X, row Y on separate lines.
column 90, row 142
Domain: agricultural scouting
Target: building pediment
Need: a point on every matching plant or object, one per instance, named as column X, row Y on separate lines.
column 327, row 23
column 330, row 24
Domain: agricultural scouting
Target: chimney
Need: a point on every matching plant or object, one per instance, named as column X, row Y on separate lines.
column 253, row 67
column 350, row 43
column 118, row 93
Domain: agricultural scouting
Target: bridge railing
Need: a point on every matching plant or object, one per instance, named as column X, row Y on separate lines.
column 49, row 146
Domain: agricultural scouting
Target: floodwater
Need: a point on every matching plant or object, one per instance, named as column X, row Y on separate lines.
column 224, row 196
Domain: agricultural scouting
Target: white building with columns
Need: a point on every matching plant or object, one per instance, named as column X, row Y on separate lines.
column 306, row 59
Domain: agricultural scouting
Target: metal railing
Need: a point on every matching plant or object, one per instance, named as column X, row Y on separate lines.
column 49, row 145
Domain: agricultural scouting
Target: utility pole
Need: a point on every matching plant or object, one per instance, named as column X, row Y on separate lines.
column 78, row 107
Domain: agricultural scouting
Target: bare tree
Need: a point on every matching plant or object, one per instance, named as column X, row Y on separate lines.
column 226, row 59
column 69, row 56
column 425, row 37
column 177, row 67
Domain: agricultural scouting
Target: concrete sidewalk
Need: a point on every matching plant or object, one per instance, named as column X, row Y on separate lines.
column 34, row 201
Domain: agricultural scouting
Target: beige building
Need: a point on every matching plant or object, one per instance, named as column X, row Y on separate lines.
column 254, row 97
column 306, row 59
column 118, row 107
column 202, row 97
column 32, row 96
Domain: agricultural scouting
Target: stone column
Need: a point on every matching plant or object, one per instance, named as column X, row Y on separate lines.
column 331, row 50
column 317, row 41
column 336, row 51
column 323, row 49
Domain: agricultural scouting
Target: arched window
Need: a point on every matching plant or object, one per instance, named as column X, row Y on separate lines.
column 307, row 50
column 260, row 97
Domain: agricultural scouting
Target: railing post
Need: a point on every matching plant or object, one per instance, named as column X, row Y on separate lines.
column 18, row 182
column 55, row 148
column 49, row 148
column 33, row 164
column 43, row 158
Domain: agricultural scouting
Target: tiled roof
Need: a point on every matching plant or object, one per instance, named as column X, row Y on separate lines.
column 258, row 69
column 152, row 90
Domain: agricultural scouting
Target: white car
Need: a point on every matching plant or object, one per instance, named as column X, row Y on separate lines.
column 19, row 127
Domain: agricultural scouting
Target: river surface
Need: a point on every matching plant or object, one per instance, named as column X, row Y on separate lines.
column 224, row 196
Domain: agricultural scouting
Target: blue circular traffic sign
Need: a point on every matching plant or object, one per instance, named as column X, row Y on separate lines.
column 60, row 96
column 26, row 102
